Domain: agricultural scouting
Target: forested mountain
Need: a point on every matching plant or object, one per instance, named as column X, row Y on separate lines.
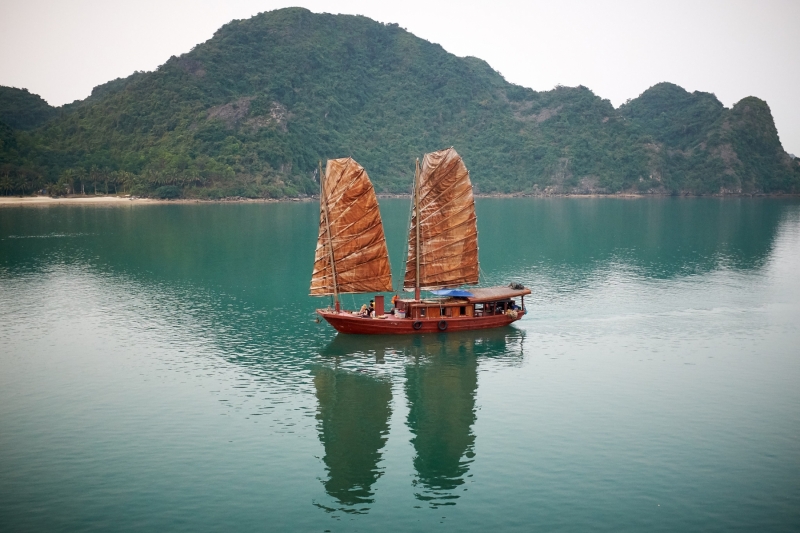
column 251, row 111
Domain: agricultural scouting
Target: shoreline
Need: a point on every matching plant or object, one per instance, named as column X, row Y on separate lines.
column 43, row 201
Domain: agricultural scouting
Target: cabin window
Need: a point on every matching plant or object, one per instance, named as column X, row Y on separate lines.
column 422, row 312
column 478, row 309
column 462, row 311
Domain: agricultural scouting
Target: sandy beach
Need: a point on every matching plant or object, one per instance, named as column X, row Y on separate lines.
column 16, row 201
column 79, row 200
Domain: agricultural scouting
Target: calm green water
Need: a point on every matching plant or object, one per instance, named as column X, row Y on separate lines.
column 161, row 370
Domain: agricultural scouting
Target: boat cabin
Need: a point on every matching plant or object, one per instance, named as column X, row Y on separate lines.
column 484, row 302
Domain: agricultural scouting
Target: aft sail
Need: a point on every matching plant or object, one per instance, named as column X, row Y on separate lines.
column 444, row 218
column 351, row 254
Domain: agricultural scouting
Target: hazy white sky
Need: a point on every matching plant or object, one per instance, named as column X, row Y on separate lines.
column 60, row 49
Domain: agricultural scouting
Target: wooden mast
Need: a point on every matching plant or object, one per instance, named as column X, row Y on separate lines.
column 324, row 202
column 416, row 215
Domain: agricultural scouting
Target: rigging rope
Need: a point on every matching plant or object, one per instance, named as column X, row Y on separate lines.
column 481, row 274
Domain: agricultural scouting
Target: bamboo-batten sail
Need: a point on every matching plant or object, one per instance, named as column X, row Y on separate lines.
column 351, row 254
column 448, row 231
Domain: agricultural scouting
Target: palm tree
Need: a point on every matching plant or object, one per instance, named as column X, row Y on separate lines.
column 104, row 174
column 5, row 179
column 94, row 174
column 80, row 174
column 126, row 179
column 68, row 180
column 114, row 176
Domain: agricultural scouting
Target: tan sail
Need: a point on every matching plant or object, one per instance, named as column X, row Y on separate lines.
column 448, row 230
column 351, row 253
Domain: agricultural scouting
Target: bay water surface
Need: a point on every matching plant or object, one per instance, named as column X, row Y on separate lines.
column 161, row 369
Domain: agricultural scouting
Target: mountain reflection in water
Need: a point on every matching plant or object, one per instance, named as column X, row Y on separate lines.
column 569, row 242
column 441, row 382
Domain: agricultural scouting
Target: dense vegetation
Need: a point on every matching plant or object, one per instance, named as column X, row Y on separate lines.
column 22, row 110
column 251, row 111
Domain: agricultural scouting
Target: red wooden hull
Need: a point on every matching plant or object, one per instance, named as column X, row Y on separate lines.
column 345, row 322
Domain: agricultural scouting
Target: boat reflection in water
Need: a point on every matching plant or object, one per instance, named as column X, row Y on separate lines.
column 441, row 385
column 441, row 381
column 353, row 415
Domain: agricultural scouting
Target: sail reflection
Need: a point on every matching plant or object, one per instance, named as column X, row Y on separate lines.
column 441, row 384
column 353, row 415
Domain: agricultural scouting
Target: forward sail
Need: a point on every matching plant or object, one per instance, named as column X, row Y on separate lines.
column 351, row 254
column 448, row 230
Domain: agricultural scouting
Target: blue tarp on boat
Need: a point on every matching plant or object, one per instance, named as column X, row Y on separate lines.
column 453, row 292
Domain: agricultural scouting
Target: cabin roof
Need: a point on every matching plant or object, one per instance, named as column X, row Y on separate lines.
column 483, row 294
column 490, row 294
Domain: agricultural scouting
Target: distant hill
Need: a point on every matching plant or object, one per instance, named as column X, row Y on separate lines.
column 700, row 146
column 251, row 111
column 22, row 110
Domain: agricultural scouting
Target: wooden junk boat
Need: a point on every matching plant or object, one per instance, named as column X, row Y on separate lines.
column 351, row 254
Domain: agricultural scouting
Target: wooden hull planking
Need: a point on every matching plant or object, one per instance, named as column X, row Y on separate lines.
column 345, row 322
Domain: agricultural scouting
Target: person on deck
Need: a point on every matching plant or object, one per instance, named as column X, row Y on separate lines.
column 394, row 300
column 371, row 309
column 363, row 311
